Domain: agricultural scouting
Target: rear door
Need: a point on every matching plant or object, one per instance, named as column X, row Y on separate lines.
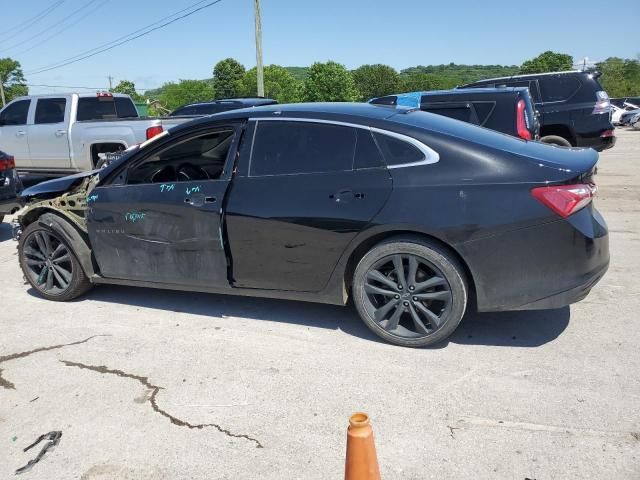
column 48, row 134
column 304, row 190
column 13, row 132
column 160, row 220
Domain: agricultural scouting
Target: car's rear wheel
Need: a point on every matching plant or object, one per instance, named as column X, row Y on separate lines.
column 50, row 265
column 410, row 292
column 555, row 140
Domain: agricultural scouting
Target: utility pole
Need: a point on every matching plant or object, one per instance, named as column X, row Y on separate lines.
column 2, row 92
column 110, row 82
column 259, row 66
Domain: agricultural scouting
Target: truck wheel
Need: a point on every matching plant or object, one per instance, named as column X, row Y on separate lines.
column 555, row 140
column 410, row 292
column 50, row 265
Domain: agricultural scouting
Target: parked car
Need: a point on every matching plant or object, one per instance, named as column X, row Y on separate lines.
column 574, row 108
column 10, row 186
column 217, row 106
column 622, row 101
column 506, row 110
column 628, row 115
column 62, row 134
column 409, row 213
column 635, row 121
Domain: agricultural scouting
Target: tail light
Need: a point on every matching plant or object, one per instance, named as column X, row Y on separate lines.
column 522, row 121
column 153, row 131
column 7, row 163
column 565, row 200
column 603, row 105
column 607, row 134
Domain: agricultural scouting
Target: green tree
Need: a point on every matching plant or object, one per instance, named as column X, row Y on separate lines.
column 620, row 77
column 174, row 95
column 416, row 82
column 128, row 88
column 279, row 84
column 548, row 62
column 329, row 82
column 227, row 74
column 376, row 81
column 12, row 81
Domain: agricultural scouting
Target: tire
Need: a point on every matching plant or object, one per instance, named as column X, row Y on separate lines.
column 389, row 308
column 57, row 276
column 555, row 140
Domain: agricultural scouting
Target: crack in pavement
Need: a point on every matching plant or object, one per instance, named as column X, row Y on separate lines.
column 4, row 383
column 154, row 404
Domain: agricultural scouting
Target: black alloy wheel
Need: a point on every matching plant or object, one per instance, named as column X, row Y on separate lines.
column 50, row 265
column 411, row 294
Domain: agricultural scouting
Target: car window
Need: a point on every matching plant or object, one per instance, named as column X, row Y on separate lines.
column 483, row 110
column 125, row 108
column 198, row 158
column 559, row 88
column 458, row 111
column 50, row 110
column 16, row 113
column 396, row 151
column 94, row 108
column 367, row 154
column 283, row 148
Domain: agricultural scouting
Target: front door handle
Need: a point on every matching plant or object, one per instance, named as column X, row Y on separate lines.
column 20, row 133
column 60, row 133
column 345, row 196
column 199, row 199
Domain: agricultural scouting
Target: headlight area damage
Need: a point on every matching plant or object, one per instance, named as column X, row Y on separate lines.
column 71, row 205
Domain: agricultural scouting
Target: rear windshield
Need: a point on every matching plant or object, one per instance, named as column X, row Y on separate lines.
column 94, row 108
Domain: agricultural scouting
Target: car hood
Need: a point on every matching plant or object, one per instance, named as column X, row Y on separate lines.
column 55, row 187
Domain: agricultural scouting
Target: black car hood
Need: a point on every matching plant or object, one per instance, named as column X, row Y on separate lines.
column 55, row 187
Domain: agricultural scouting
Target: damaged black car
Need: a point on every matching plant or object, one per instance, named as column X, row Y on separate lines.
column 415, row 216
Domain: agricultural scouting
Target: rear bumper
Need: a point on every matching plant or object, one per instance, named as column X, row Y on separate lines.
column 546, row 266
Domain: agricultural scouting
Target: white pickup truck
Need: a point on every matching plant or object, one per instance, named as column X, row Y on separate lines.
column 62, row 134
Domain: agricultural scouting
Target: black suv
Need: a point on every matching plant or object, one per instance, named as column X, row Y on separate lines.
column 574, row 109
column 506, row 110
column 217, row 106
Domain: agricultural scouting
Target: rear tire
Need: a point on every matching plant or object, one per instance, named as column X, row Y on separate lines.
column 555, row 140
column 419, row 307
column 50, row 265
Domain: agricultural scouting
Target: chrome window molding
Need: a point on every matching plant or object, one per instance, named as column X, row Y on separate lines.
column 430, row 155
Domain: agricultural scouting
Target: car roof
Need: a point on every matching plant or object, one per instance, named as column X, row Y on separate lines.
column 240, row 101
column 526, row 75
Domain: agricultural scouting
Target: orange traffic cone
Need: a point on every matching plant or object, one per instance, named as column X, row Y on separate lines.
column 362, row 461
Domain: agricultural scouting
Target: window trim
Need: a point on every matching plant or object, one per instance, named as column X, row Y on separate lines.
column 430, row 155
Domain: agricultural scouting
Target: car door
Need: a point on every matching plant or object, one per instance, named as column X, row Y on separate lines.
column 48, row 134
column 304, row 190
column 13, row 132
column 159, row 219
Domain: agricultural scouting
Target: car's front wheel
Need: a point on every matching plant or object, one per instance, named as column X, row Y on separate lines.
column 410, row 292
column 50, row 265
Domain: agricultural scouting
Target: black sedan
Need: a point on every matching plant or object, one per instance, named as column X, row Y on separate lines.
column 411, row 214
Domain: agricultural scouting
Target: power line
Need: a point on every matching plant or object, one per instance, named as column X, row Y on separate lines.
column 50, row 27
column 127, row 38
column 35, row 19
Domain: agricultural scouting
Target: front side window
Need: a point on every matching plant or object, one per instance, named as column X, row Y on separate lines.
column 195, row 159
column 50, row 110
column 290, row 147
column 16, row 113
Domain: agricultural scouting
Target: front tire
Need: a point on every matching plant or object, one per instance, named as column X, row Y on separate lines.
column 410, row 292
column 50, row 265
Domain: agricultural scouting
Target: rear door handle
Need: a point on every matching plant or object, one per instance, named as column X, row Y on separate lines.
column 60, row 133
column 20, row 133
column 345, row 195
column 199, row 199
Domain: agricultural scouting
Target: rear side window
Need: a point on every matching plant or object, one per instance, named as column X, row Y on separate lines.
column 284, row 148
column 396, row 151
column 555, row 89
column 50, row 110
column 16, row 113
column 367, row 152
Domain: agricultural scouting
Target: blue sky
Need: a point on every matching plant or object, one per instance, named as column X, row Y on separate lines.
column 400, row 33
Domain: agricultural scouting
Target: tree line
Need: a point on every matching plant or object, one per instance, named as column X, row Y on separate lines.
column 331, row 81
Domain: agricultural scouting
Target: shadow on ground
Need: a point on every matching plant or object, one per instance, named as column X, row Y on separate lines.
column 510, row 329
column 5, row 231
